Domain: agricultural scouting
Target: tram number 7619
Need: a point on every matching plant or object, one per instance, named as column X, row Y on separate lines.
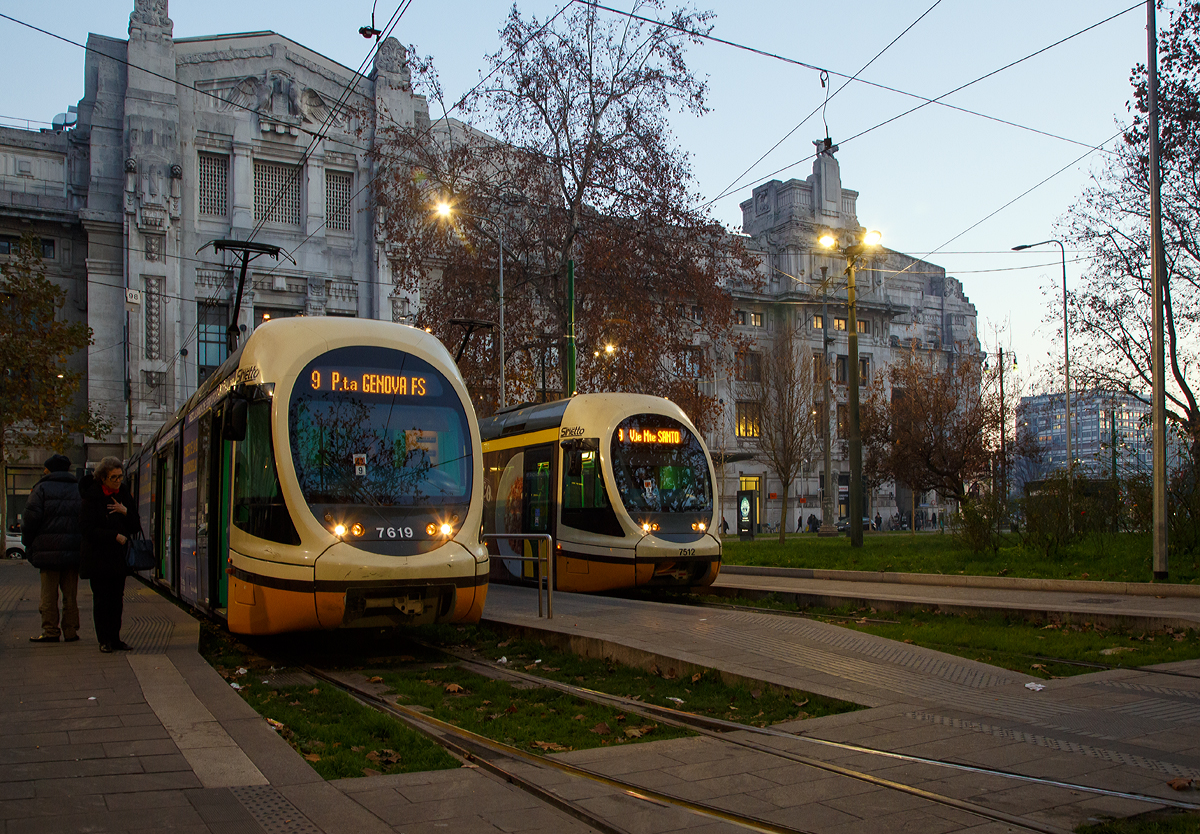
column 395, row 532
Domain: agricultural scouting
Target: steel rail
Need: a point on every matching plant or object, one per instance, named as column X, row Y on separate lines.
column 414, row 718
column 719, row 727
column 437, row 730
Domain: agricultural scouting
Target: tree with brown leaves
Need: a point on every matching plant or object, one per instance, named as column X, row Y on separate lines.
column 37, row 389
column 780, row 383
column 584, row 170
column 937, row 429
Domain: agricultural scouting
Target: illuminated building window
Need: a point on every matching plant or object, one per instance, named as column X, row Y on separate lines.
column 748, row 419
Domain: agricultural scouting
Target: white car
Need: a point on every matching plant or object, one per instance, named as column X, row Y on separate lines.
column 13, row 549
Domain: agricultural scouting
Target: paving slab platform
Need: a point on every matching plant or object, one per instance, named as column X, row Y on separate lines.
column 1145, row 605
column 154, row 739
column 1121, row 730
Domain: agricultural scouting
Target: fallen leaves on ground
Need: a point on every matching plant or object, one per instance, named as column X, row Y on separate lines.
column 1181, row 784
column 549, row 746
column 312, row 757
column 316, row 690
column 375, row 679
column 454, row 688
column 696, row 677
column 602, row 729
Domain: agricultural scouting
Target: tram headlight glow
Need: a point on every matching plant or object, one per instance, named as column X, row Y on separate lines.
column 357, row 529
column 430, row 529
column 339, row 530
column 645, row 526
column 446, row 529
column 699, row 526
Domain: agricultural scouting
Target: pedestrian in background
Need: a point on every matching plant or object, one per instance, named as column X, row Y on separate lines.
column 108, row 518
column 51, row 536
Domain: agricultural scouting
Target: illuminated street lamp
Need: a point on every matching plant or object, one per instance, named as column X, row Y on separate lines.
column 854, row 252
column 446, row 211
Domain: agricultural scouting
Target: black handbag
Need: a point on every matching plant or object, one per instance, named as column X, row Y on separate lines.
column 140, row 555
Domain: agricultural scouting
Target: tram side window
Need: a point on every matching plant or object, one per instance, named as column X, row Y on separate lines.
column 584, row 499
column 258, row 506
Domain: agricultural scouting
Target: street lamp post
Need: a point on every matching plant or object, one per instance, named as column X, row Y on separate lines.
column 446, row 210
column 854, row 254
column 1066, row 342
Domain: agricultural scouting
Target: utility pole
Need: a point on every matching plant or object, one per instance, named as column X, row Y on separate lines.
column 828, row 527
column 1157, row 287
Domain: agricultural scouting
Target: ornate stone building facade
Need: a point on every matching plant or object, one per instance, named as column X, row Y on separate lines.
column 901, row 301
column 181, row 142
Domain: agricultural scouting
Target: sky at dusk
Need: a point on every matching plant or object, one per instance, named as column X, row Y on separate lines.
column 925, row 180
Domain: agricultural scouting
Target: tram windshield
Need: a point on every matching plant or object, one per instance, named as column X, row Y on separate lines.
column 379, row 427
column 660, row 466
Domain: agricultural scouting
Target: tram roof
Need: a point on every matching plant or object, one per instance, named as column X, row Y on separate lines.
column 525, row 417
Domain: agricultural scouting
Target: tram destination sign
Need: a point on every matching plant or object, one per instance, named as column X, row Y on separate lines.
column 368, row 382
column 670, row 437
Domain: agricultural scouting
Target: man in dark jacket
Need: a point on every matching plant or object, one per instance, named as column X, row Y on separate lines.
column 52, row 539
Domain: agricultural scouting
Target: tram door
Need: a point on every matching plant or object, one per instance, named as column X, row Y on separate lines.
column 203, row 510
column 220, row 492
column 166, row 514
column 538, row 511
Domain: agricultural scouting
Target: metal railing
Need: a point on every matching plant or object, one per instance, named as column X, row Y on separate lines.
column 548, row 558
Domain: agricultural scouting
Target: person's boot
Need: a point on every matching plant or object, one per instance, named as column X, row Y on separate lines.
column 44, row 638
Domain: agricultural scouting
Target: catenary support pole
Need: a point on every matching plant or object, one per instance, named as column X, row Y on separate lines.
column 856, row 495
column 1157, row 281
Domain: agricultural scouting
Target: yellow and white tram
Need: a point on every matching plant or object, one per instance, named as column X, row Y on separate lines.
column 327, row 475
column 623, row 482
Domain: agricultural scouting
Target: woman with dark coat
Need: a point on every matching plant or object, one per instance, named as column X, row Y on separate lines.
column 108, row 519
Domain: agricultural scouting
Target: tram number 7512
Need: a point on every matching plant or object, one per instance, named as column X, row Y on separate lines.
column 687, row 551
column 395, row 532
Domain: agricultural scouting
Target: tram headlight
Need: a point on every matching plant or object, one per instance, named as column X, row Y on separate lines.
column 339, row 530
column 446, row 529
column 699, row 526
column 357, row 529
column 645, row 526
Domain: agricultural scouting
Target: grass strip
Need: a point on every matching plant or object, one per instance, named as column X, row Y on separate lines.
column 1009, row 641
column 1154, row 822
column 1108, row 557
column 701, row 693
column 336, row 734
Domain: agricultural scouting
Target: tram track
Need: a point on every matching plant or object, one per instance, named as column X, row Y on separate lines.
column 475, row 749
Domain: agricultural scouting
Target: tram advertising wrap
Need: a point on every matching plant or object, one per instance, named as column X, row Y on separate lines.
column 623, row 482
column 327, row 475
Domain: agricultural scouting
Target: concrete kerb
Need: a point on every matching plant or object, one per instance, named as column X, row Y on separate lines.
column 1012, row 583
column 1035, row 613
column 665, row 666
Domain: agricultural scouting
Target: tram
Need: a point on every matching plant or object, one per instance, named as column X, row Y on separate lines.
column 623, row 483
column 327, row 475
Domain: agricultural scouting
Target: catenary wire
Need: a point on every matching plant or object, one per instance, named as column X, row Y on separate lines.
column 927, row 102
column 828, row 98
column 885, row 87
column 330, row 118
